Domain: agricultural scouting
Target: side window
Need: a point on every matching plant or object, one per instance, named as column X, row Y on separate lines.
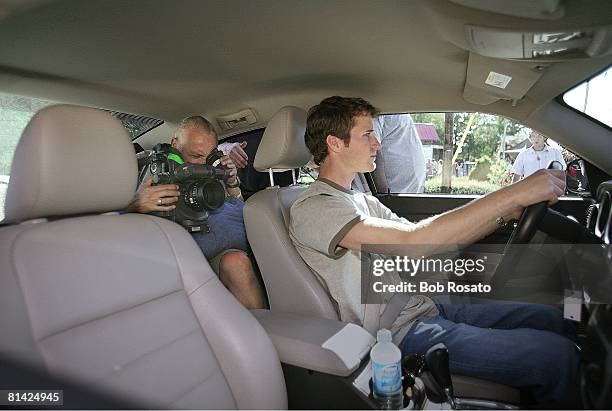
column 458, row 153
column 136, row 125
column 15, row 113
column 308, row 175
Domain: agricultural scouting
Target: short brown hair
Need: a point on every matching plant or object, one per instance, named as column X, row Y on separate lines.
column 333, row 116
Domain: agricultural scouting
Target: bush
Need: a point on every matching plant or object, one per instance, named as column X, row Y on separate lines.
column 482, row 169
column 460, row 185
column 500, row 173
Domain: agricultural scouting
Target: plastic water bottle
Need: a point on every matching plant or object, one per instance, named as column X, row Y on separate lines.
column 386, row 372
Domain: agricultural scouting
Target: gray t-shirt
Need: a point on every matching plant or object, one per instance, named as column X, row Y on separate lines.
column 320, row 218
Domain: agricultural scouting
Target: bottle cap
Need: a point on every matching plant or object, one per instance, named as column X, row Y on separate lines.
column 383, row 335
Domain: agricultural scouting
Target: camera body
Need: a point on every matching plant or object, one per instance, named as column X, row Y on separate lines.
column 201, row 185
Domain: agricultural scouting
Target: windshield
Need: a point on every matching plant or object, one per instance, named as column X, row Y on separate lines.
column 593, row 97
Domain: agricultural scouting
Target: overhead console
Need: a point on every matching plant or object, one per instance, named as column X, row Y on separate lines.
column 544, row 45
column 511, row 44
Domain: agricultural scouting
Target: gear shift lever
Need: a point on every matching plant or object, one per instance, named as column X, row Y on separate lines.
column 437, row 364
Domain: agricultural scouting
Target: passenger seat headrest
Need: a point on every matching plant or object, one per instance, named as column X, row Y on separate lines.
column 71, row 160
column 282, row 146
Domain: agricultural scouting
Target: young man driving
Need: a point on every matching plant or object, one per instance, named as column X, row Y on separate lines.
column 521, row 345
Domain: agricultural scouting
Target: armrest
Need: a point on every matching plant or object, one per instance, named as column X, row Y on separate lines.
column 318, row 344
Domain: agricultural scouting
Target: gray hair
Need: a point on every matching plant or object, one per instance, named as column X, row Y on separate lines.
column 195, row 122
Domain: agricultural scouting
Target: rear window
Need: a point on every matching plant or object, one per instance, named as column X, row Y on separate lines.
column 15, row 114
column 136, row 125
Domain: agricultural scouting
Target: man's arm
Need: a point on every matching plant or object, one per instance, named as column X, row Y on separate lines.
column 463, row 225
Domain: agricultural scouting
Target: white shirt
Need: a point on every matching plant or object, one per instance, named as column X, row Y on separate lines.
column 529, row 161
column 402, row 153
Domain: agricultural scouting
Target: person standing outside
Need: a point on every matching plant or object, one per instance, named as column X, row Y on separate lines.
column 536, row 157
column 401, row 152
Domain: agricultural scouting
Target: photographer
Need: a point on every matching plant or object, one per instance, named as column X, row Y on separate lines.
column 225, row 244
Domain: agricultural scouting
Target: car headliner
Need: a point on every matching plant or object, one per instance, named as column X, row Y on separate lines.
column 168, row 59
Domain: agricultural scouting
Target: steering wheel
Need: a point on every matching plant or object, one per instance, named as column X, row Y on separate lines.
column 522, row 234
column 532, row 216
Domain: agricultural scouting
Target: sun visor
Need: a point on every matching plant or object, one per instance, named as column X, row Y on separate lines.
column 489, row 80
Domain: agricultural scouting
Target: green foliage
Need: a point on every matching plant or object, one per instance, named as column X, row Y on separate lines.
column 133, row 130
column 307, row 175
column 485, row 135
column 460, row 185
column 481, row 169
column 500, row 173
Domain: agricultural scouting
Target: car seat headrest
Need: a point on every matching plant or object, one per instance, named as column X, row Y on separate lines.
column 282, row 146
column 71, row 160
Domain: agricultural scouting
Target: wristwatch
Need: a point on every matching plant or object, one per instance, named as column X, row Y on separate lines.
column 235, row 185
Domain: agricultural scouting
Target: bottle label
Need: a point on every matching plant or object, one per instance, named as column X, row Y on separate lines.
column 386, row 378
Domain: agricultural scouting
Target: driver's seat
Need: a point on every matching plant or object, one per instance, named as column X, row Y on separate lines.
column 290, row 284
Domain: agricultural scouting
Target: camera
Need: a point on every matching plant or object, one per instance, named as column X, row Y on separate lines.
column 201, row 185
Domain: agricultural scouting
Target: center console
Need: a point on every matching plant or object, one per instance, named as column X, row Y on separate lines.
column 326, row 366
column 321, row 358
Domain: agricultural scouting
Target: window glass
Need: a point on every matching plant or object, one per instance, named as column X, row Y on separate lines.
column 457, row 153
column 593, row 97
column 307, row 175
column 136, row 125
column 15, row 113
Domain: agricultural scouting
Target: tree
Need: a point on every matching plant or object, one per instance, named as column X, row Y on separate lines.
column 485, row 135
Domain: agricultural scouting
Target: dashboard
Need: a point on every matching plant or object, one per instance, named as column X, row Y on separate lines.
column 596, row 374
column 599, row 215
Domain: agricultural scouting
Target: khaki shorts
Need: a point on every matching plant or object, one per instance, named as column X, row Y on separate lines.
column 216, row 260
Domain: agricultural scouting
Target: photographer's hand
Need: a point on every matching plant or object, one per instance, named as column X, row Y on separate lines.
column 233, row 178
column 238, row 155
column 227, row 162
column 150, row 198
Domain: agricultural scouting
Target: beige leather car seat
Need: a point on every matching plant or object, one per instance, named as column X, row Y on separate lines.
column 126, row 304
column 291, row 286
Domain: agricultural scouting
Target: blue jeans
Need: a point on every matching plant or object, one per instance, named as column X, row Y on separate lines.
column 520, row 345
column 227, row 230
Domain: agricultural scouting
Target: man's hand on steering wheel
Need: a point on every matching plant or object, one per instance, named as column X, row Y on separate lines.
column 543, row 185
column 533, row 195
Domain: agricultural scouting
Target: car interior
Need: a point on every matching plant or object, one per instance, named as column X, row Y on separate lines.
column 122, row 310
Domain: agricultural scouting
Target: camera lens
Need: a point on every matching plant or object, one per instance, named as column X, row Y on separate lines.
column 205, row 194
